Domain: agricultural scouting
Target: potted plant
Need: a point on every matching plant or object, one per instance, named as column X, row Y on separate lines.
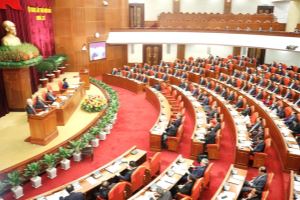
column 50, row 161
column 51, row 67
column 42, row 68
column 14, row 179
column 32, row 170
column 77, row 146
column 64, row 153
column 63, row 68
column 97, row 131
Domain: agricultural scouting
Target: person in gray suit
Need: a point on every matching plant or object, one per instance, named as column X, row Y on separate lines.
column 258, row 183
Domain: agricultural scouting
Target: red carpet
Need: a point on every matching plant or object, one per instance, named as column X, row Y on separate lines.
column 135, row 118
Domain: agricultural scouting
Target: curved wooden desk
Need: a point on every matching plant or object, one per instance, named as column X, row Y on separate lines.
column 88, row 182
column 233, row 175
column 123, row 82
column 165, row 181
column 294, row 186
column 67, row 108
column 281, row 136
column 160, row 102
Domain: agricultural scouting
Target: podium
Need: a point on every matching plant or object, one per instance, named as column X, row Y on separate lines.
column 85, row 77
column 42, row 128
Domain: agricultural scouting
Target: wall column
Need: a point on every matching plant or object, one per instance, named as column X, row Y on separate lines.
column 227, row 6
column 176, row 6
column 293, row 16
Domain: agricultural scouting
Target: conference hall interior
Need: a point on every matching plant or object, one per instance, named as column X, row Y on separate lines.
column 150, row 99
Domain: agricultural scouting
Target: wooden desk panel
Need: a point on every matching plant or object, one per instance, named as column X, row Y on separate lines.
column 162, row 104
column 42, row 127
column 123, row 82
column 64, row 112
column 85, row 77
column 158, row 178
column 236, row 189
column 139, row 158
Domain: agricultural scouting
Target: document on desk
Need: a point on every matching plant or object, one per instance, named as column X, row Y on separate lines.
column 234, row 181
column 76, row 186
column 169, row 179
column 226, row 195
column 164, row 185
column 113, row 168
column 238, row 177
column 91, row 180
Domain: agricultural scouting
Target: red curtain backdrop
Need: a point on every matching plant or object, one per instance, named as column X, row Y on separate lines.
column 39, row 33
column 29, row 29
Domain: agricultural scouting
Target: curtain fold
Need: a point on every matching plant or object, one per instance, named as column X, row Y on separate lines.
column 3, row 102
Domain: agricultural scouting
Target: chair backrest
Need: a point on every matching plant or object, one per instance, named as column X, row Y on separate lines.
column 266, row 133
column 269, row 181
column 265, row 195
column 179, row 132
column 288, row 111
column 155, row 164
column 267, row 145
column 206, row 177
column 138, row 178
column 253, row 117
column 197, row 188
column 120, row 191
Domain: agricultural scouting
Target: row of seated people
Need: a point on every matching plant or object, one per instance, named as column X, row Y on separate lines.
column 265, row 87
column 278, row 68
column 255, row 125
column 269, row 80
column 123, row 184
column 291, row 118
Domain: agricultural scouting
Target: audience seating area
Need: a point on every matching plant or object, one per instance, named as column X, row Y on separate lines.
column 254, row 22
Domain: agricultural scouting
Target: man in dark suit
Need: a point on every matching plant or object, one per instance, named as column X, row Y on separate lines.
column 40, row 104
column 258, row 146
column 29, row 107
column 288, row 94
column 258, row 183
column 280, row 112
column 252, row 91
column 231, row 96
column 217, row 88
column 50, row 96
column 246, row 111
column 259, row 95
column 224, row 93
column 239, row 103
column 257, row 125
column 183, row 85
column 202, row 81
column 198, row 171
column 72, row 195
column 165, row 77
column 103, row 190
column 187, row 187
column 65, row 84
column 170, row 131
column 210, row 138
column 126, row 176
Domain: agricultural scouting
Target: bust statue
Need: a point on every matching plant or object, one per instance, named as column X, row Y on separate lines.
column 10, row 39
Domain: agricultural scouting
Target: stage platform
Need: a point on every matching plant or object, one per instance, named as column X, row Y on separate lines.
column 14, row 129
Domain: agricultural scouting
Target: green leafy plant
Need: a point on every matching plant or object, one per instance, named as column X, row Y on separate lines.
column 94, row 130
column 32, row 169
column 43, row 67
column 50, row 160
column 14, row 178
column 77, row 145
column 87, row 137
column 64, row 153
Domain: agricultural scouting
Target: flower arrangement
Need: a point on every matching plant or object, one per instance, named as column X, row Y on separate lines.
column 94, row 103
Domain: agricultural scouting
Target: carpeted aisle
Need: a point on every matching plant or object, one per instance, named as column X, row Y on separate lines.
column 135, row 118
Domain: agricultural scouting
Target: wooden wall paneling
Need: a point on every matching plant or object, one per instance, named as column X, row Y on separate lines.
column 180, row 51
column 176, row 6
column 227, row 6
column 15, row 82
column 82, row 20
column 236, row 51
